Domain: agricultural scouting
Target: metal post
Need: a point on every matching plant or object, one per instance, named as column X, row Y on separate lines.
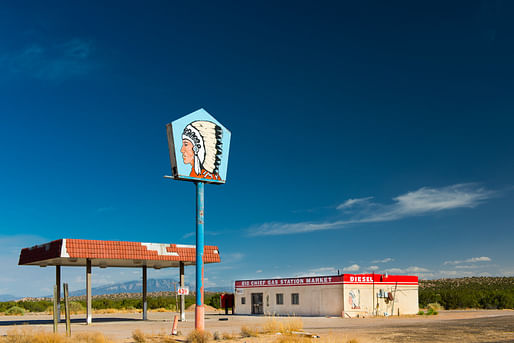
column 58, row 284
column 67, row 310
column 200, row 309
column 55, row 309
column 88, row 293
column 373, row 308
column 145, row 303
column 182, row 296
column 176, row 295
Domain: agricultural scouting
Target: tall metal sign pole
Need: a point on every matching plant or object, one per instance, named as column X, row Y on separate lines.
column 199, row 147
column 199, row 309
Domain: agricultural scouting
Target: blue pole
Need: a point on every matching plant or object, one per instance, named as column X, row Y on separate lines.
column 200, row 310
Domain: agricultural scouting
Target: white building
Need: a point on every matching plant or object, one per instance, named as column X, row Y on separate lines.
column 347, row 295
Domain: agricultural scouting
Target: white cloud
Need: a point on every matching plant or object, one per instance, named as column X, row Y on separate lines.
column 352, row 268
column 384, row 260
column 258, row 271
column 409, row 270
column 470, row 260
column 373, row 268
column 321, row 271
column 472, row 266
column 352, row 202
column 423, row 201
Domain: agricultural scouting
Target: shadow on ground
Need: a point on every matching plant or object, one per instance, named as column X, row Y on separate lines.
column 73, row 321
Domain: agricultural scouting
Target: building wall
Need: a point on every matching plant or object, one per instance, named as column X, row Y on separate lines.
column 347, row 295
column 313, row 300
column 358, row 300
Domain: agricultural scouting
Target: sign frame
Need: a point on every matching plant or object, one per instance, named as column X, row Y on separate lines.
column 203, row 143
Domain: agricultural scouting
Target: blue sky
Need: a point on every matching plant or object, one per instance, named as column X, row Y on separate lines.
column 366, row 136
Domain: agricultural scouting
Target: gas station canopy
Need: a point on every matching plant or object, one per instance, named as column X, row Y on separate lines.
column 76, row 252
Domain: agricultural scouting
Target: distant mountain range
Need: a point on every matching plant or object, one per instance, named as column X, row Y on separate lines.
column 136, row 286
column 7, row 297
column 153, row 285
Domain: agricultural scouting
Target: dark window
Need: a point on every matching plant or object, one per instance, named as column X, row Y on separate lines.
column 267, row 300
column 295, row 298
column 243, row 300
column 280, row 299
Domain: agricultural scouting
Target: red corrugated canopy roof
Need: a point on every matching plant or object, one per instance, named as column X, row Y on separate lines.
column 75, row 252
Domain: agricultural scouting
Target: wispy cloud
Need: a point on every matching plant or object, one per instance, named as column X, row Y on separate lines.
column 408, row 270
column 352, row 268
column 373, row 268
column 55, row 62
column 352, row 202
column 423, row 201
column 384, row 260
column 470, row 260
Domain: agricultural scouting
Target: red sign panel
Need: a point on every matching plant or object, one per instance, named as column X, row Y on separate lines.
column 379, row 278
column 330, row 280
column 183, row 291
column 301, row 281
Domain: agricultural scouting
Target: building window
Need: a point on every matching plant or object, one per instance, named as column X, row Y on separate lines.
column 295, row 298
column 243, row 300
column 267, row 300
column 280, row 299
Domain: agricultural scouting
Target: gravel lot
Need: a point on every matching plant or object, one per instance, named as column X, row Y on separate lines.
column 448, row 326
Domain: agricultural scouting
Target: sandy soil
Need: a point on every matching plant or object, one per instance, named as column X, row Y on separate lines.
column 448, row 326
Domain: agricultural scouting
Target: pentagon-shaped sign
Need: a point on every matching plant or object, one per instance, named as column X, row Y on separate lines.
column 199, row 147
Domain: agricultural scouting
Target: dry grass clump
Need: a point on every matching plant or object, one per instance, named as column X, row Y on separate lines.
column 89, row 337
column 434, row 307
column 293, row 339
column 198, row 336
column 140, row 337
column 326, row 339
column 228, row 336
column 274, row 325
column 247, row 331
column 27, row 336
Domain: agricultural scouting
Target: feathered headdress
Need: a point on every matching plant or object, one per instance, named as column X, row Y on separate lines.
column 206, row 139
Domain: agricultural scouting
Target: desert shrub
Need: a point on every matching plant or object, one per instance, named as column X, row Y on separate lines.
column 88, row 337
column 27, row 336
column 15, row 311
column 216, row 336
column 431, row 312
column 292, row 339
column 274, row 325
column 138, row 336
column 247, row 331
column 471, row 292
column 227, row 336
column 198, row 336
column 213, row 300
column 434, row 306
column 420, row 313
column 76, row 307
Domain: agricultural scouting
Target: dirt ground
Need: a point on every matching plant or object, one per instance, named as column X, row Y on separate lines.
column 448, row 326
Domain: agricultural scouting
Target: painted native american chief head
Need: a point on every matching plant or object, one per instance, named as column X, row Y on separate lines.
column 202, row 149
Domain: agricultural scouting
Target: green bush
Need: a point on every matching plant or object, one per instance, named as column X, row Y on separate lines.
column 76, row 306
column 15, row 311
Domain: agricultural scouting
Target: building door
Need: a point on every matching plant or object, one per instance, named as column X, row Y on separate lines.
column 257, row 306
